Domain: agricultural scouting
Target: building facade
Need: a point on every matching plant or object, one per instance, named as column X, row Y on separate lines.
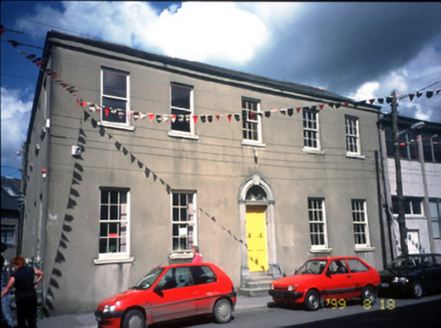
column 420, row 158
column 10, row 218
column 132, row 158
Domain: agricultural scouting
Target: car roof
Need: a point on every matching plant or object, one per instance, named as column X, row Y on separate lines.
column 335, row 258
column 185, row 265
column 419, row 255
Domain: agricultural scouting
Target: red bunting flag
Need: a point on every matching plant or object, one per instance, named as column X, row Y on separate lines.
column 218, row 117
column 229, row 117
column 195, row 118
column 151, row 116
column 411, row 96
column 371, row 101
column 321, row 106
column 298, row 109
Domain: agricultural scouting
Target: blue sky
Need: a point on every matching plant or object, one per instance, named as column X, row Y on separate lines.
column 359, row 50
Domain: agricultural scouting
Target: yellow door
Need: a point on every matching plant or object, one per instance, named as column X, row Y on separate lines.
column 256, row 239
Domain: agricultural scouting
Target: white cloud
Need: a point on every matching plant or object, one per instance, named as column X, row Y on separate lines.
column 15, row 121
column 366, row 91
column 210, row 32
column 216, row 32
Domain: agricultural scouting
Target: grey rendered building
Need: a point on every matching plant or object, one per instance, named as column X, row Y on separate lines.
column 132, row 158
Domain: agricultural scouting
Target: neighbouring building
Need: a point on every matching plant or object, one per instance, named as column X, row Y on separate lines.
column 11, row 200
column 134, row 157
column 420, row 158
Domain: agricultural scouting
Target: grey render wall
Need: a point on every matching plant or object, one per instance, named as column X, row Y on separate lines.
column 214, row 166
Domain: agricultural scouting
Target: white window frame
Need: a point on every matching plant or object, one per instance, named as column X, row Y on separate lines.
column 186, row 117
column 352, row 128
column 360, row 219
column 412, row 201
column 8, row 234
column 193, row 222
column 247, row 119
column 317, row 211
column 121, row 256
column 311, row 116
column 123, row 125
column 435, row 216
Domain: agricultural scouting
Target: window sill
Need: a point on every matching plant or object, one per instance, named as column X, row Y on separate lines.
column 253, row 143
column 364, row 249
column 313, row 151
column 356, row 156
column 182, row 135
column 320, row 250
column 115, row 260
column 181, row 256
column 116, row 126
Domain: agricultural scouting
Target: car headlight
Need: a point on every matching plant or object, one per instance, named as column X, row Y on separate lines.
column 272, row 287
column 400, row 280
column 292, row 288
column 109, row 308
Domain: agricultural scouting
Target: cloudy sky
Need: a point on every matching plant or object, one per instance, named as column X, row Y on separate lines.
column 359, row 50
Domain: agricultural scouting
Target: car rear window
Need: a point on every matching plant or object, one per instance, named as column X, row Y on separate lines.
column 202, row 275
column 357, row 266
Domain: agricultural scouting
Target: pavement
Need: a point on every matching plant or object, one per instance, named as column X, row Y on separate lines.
column 87, row 320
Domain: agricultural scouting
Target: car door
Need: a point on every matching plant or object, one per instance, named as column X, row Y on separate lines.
column 437, row 270
column 173, row 297
column 361, row 275
column 432, row 271
column 339, row 282
column 206, row 288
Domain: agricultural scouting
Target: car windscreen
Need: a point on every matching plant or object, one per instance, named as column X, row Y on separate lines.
column 313, row 267
column 148, row 279
column 401, row 262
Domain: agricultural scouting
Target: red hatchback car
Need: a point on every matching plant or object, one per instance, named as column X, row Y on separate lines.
column 329, row 278
column 168, row 293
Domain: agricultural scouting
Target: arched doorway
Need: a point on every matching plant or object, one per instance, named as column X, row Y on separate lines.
column 257, row 228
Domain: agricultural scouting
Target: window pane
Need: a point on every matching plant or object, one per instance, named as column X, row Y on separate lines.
column 115, row 110
column 180, row 97
column 113, row 222
column 114, row 83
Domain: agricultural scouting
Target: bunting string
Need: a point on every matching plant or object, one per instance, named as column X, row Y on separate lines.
column 202, row 118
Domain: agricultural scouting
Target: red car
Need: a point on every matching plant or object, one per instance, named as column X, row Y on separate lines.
column 328, row 278
column 168, row 293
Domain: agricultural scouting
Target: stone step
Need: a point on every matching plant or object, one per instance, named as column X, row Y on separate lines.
column 253, row 292
column 262, row 283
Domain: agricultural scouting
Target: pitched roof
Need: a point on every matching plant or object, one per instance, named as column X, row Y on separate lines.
column 205, row 68
column 10, row 193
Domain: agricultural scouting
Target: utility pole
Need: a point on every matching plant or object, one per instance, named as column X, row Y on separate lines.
column 401, row 219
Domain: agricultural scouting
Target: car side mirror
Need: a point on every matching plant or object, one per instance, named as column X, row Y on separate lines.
column 158, row 290
column 328, row 273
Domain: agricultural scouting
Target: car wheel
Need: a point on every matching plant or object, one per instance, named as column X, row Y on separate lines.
column 312, row 300
column 134, row 319
column 416, row 290
column 368, row 293
column 222, row 311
